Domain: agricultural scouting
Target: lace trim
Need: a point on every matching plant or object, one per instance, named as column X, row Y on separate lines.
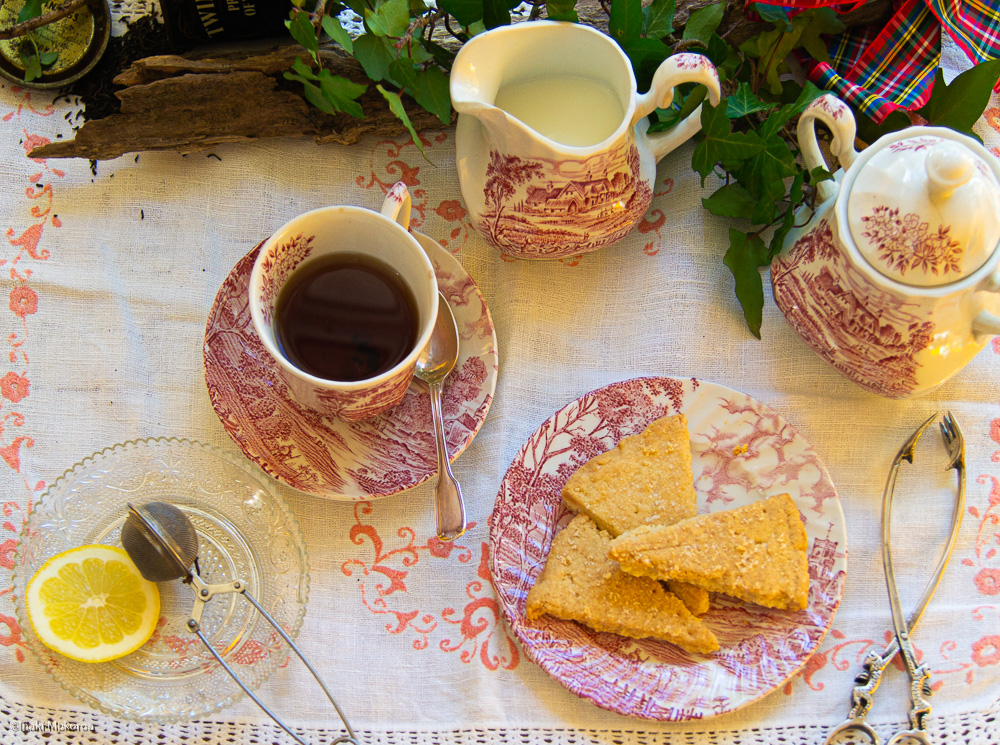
column 25, row 724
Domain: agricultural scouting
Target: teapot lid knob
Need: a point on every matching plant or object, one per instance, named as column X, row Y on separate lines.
column 949, row 165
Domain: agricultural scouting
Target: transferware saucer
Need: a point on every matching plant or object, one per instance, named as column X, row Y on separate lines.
column 245, row 531
column 742, row 451
column 327, row 457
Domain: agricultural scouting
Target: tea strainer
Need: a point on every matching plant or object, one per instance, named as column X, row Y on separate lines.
column 163, row 543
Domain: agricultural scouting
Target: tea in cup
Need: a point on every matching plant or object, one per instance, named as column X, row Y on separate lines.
column 345, row 299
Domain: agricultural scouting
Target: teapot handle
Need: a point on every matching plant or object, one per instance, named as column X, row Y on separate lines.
column 837, row 116
column 674, row 70
column 986, row 323
column 397, row 204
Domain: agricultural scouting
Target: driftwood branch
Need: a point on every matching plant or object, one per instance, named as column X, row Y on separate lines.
column 61, row 11
column 195, row 101
column 188, row 103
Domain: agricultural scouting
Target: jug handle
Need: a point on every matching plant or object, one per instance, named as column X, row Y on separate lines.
column 837, row 116
column 676, row 69
column 397, row 204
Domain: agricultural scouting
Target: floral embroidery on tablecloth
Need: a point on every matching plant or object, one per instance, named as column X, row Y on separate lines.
column 23, row 239
column 475, row 631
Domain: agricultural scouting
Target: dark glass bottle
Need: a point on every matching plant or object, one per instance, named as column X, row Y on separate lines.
column 192, row 22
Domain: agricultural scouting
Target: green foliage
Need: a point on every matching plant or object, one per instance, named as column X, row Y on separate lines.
column 703, row 23
column 32, row 57
column 395, row 51
column 746, row 147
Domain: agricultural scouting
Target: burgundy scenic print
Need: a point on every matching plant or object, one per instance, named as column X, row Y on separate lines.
column 868, row 334
column 545, row 208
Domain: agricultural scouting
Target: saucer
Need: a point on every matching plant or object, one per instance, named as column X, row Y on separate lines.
column 245, row 531
column 327, row 457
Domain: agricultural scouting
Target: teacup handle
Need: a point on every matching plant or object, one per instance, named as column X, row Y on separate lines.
column 837, row 116
column 674, row 70
column 397, row 204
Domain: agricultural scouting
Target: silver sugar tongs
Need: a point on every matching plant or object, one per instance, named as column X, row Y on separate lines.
column 869, row 678
column 163, row 543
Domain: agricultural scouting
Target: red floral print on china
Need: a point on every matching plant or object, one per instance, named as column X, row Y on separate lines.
column 879, row 70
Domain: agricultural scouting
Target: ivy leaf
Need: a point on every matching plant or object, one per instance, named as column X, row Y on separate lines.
column 342, row 93
column 824, row 21
column 331, row 25
column 788, row 220
column 31, row 9
column 764, row 211
column 773, row 14
column 720, row 143
column 743, row 102
column 782, row 116
column 726, row 59
column 465, row 12
column 763, row 175
column 645, row 56
column 396, row 107
column 374, row 55
column 732, row 200
column 703, row 22
column 402, row 72
column 960, row 104
column 47, row 58
column 391, row 18
column 431, row 91
column 303, row 32
column 819, row 174
column 497, row 12
column 625, row 24
column 745, row 257
column 658, row 18
column 419, row 52
column 562, row 10
column 32, row 67
column 302, row 71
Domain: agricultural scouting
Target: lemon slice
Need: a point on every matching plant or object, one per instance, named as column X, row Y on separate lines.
column 91, row 604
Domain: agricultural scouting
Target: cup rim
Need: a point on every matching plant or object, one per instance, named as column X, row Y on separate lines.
column 257, row 318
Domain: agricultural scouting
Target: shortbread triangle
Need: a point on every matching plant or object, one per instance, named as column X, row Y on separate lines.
column 645, row 480
column 580, row 583
column 756, row 553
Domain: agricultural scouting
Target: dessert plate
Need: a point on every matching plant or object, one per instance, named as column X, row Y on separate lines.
column 327, row 457
column 742, row 451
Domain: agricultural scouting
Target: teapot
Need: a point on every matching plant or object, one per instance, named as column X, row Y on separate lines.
column 895, row 280
column 553, row 154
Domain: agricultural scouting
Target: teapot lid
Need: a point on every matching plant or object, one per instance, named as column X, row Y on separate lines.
column 924, row 210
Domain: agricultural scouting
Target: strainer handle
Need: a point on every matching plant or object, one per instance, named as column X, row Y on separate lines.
column 196, row 628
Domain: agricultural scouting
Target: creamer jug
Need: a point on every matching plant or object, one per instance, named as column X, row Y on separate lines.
column 553, row 154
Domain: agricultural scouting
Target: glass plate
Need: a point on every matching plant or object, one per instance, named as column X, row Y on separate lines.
column 742, row 452
column 245, row 532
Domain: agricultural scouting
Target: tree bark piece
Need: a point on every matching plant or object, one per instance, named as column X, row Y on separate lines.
column 175, row 103
column 201, row 99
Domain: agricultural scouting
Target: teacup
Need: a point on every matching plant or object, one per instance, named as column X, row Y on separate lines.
column 329, row 235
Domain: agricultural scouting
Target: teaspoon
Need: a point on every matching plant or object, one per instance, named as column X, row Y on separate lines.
column 433, row 366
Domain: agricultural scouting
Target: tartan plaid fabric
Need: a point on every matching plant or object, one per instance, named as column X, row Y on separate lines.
column 879, row 70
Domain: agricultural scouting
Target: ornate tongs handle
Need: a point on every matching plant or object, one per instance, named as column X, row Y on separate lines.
column 868, row 680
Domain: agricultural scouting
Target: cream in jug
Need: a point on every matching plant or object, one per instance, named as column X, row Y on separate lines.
column 553, row 154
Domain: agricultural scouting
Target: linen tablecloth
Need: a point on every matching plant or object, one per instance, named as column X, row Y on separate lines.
column 110, row 276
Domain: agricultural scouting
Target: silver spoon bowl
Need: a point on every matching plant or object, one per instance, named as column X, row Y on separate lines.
column 434, row 365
